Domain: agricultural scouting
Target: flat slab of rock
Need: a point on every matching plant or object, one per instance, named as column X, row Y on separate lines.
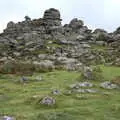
column 85, row 84
column 7, row 118
column 81, row 84
column 108, row 85
column 85, row 91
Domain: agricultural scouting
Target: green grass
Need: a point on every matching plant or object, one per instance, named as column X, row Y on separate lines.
column 110, row 72
column 99, row 47
column 17, row 100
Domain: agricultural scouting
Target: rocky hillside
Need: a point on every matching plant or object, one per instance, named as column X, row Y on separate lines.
column 46, row 40
column 53, row 72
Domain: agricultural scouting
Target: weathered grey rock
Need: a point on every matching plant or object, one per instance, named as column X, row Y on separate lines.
column 85, row 84
column 11, row 24
column 80, row 37
column 108, row 85
column 52, row 14
column 48, row 101
column 80, row 90
column 98, row 31
column 3, row 59
column 80, row 85
column 91, row 90
column 76, row 24
column 85, row 90
column 17, row 54
column 52, row 17
column 117, row 31
column 42, row 56
column 56, row 92
column 33, row 36
column 27, row 39
column 24, row 79
column 44, row 65
column 84, row 45
column 7, row 118
column 101, row 35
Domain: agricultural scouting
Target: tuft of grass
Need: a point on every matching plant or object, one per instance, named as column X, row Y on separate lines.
column 101, row 48
column 116, row 80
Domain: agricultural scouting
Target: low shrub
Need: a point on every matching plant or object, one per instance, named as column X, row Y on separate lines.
column 94, row 73
column 25, row 68
column 116, row 80
column 17, row 67
column 44, row 66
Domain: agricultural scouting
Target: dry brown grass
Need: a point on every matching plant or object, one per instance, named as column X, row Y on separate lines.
column 116, row 80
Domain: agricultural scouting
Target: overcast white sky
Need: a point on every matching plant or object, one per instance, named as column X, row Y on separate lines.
column 95, row 13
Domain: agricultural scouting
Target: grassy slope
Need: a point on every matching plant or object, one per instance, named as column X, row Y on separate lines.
column 16, row 99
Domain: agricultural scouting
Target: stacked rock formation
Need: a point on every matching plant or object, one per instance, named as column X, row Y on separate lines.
column 52, row 17
column 69, row 45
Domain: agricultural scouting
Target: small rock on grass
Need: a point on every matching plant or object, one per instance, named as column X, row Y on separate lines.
column 81, row 84
column 7, row 118
column 39, row 78
column 108, row 85
column 85, row 91
column 48, row 101
column 56, row 92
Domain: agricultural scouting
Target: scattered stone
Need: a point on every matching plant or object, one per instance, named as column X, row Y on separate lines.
column 80, row 90
column 48, row 101
column 39, row 78
column 7, row 118
column 91, row 90
column 45, row 65
column 42, row 56
column 24, row 79
column 74, row 86
column 56, row 92
column 108, row 85
column 85, row 84
column 80, row 85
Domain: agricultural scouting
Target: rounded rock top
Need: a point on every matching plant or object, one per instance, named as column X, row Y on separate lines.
column 52, row 13
column 10, row 24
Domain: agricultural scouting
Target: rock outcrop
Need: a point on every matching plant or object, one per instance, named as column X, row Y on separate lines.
column 28, row 39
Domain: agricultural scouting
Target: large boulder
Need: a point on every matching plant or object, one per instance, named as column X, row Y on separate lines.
column 76, row 24
column 101, row 35
column 44, row 66
column 52, row 17
column 117, row 31
column 11, row 24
